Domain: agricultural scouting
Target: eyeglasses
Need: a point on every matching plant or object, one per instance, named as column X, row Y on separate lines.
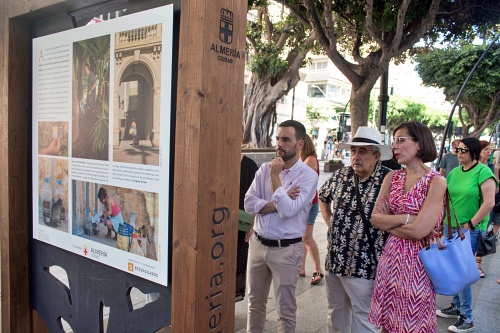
column 398, row 140
column 461, row 150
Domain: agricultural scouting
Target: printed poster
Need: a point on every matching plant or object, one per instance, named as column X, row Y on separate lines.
column 101, row 123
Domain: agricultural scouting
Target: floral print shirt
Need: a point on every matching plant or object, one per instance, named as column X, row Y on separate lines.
column 348, row 247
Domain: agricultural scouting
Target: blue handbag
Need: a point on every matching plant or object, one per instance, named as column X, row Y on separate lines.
column 451, row 266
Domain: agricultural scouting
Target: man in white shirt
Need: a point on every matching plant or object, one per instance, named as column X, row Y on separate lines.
column 280, row 197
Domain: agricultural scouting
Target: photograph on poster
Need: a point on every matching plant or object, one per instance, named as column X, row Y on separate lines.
column 119, row 217
column 137, row 79
column 53, row 193
column 90, row 103
column 53, row 138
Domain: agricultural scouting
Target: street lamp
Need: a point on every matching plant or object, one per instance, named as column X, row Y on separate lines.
column 315, row 86
column 343, row 120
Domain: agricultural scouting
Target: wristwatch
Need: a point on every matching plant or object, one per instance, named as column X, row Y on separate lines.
column 471, row 226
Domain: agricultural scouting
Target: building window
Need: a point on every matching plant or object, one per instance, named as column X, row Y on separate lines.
column 318, row 65
column 322, row 65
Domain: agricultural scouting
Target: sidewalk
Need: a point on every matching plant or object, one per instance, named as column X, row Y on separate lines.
column 144, row 153
column 311, row 300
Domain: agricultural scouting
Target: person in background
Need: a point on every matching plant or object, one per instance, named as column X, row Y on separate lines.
column 449, row 161
column 353, row 244
column 410, row 208
column 495, row 218
column 326, row 150
column 133, row 132
column 472, row 195
column 308, row 156
column 245, row 223
column 280, row 198
column 484, row 158
column 330, row 142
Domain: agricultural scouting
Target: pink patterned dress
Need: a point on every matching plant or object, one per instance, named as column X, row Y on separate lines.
column 403, row 298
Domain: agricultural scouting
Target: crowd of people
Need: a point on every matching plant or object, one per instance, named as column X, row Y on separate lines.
column 378, row 218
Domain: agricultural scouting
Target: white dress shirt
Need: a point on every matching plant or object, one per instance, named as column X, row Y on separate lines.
column 290, row 219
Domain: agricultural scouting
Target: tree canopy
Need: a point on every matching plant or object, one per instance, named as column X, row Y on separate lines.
column 361, row 37
column 278, row 43
column 448, row 68
column 403, row 110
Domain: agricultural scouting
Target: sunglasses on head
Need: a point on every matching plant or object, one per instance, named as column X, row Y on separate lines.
column 461, row 150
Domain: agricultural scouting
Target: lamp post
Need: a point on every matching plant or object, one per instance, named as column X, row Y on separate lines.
column 315, row 86
column 343, row 120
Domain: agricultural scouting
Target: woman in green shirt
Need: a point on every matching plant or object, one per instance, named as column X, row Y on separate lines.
column 472, row 193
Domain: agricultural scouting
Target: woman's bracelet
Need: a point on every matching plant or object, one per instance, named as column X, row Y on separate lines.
column 407, row 218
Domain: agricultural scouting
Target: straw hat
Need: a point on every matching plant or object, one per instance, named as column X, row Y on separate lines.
column 367, row 136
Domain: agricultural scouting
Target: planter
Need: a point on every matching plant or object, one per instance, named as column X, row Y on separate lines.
column 332, row 167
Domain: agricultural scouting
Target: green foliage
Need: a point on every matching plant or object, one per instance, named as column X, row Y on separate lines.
column 96, row 52
column 100, row 134
column 272, row 39
column 403, row 110
column 319, row 108
column 312, row 113
column 267, row 62
column 448, row 69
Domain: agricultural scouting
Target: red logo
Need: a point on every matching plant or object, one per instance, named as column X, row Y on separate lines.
column 85, row 250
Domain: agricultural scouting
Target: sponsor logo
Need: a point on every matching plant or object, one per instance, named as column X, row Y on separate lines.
column 145, row 271
column 85, row 250
column 130, row 267
column 97, row 254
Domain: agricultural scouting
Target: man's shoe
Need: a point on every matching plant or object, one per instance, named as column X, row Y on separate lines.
column 462, row 325
column 451, row 312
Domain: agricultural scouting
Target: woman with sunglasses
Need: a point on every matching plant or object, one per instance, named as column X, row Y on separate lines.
column 409, row 207
column 472, row 194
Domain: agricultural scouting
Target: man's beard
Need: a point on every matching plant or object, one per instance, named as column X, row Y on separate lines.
column 288, row 155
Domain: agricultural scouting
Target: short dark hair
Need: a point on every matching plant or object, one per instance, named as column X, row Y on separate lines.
column 474, row 146
column 300, row 130
column 422, row 134
column 101, row 194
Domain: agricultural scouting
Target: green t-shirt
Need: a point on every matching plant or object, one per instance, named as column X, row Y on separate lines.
column 465, row 193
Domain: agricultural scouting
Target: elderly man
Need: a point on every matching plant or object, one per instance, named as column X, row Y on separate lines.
column 346, row 203
column 280, row 197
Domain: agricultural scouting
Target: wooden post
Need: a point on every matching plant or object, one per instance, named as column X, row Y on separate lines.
column 207, row 164
column 207, row 161
column 14, row 201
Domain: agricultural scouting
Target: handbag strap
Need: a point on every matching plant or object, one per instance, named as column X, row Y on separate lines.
column 365, row 220
column 460, row 231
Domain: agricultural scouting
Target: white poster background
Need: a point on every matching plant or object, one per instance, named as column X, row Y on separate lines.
column 52, row 102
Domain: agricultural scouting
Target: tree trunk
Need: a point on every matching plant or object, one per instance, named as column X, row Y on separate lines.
column 259, row 115
column 359, row 103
